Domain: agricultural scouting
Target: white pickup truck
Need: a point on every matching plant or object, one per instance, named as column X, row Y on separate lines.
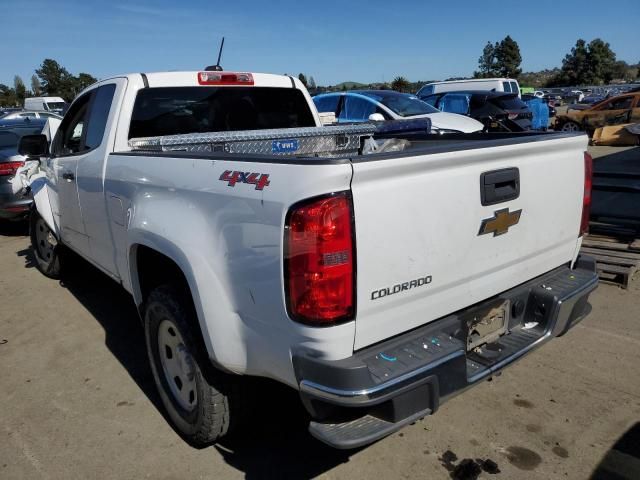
column 257, row 242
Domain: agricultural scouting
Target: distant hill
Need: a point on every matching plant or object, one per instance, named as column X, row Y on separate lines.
column 349, row 85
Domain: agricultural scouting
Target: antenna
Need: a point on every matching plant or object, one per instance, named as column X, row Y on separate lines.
column 216, row 67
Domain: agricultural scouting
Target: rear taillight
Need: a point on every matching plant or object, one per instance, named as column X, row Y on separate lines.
column 586, row 199
column 224, row 78
column 319, row 263
column 9, row 168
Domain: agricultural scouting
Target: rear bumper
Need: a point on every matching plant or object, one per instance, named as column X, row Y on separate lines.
column 380, row 389
column 12, row 207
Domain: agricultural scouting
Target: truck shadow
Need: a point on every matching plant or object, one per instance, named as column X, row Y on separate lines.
column 622, row 461
column 272, row 443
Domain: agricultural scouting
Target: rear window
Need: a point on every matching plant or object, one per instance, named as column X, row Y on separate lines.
column 514, row 87
column 509, row 102
column 181, row 110
column 506, row 86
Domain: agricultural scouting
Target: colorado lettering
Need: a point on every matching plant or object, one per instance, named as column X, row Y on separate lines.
column 400, row 287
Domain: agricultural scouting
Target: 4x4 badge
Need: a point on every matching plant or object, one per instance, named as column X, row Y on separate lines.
column 500, row 222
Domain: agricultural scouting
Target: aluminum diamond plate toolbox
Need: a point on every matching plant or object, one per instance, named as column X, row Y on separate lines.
column 307, row 141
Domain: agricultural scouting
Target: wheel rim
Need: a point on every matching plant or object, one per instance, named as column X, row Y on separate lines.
column 178, row 365
column 570, row 127
column 45, row 243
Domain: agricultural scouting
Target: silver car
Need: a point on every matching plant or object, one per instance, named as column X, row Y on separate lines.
column 26, row 114
column 11, row 207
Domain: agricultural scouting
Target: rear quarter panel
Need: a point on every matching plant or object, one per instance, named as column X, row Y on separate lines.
column 228, row 241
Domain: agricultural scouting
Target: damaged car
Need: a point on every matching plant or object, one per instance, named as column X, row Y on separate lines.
column 612, row 111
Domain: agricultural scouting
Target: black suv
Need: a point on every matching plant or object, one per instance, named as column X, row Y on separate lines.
column 498, row 111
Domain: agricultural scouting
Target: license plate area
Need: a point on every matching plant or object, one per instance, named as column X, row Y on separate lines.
column 487, row 324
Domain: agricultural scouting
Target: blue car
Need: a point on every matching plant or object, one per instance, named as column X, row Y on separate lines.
column 380, row 105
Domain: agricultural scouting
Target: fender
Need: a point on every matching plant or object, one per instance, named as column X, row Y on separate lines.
column 226, row 350
column 42, row 203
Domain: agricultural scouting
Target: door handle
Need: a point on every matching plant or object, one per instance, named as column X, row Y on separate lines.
column 499, row 186
column 68, row 176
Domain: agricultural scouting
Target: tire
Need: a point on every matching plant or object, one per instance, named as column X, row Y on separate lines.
column 570, row 126
column 197, row 398
column 47, row 251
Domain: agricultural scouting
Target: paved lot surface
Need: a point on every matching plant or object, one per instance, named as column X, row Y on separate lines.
column 77, row 400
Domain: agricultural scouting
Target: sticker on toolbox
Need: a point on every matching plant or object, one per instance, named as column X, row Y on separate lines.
column 284, row 146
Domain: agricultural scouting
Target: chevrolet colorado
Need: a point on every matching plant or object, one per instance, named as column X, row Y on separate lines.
column 257, row 242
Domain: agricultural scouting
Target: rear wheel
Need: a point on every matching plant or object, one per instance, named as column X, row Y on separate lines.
column 46, row 249
column 570, row 126
column 197, row 398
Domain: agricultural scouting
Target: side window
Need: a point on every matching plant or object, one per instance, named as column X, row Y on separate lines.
column 514, row 88
column 98, row 116
column 69, row 138
column 621, row 103
column 28, row 115
column 431, row 100
column 327, row 104
column 425, row 91
column 506, row 87
column 356, row 109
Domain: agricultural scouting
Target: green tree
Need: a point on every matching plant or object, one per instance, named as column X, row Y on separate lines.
column 7, row 96
column 507, row 58
column 486, row 62
column 590, row 64
column 56, row 80
column 302, row 78
column 601, row 61
column 20, row 89
column 82, row 81
column 400, row 84
column 312, row 82
column 36, row 86
column 575, row 66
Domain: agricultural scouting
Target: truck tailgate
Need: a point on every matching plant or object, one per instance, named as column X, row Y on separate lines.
column 419, row 219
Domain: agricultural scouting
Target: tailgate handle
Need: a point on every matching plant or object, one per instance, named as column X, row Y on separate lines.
column 499, row 186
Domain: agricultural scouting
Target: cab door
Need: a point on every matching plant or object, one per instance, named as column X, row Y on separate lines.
column 67, row 150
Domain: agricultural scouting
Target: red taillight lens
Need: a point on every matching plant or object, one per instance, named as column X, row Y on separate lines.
column 9, row 168
column 224, row 78
column 319, row 260
column 586, row 199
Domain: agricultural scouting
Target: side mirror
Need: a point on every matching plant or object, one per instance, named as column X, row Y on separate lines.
column 34, row 146
column 376, row 117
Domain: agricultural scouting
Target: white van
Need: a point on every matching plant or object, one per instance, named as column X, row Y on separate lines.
column 508, row 85
column 46, row 104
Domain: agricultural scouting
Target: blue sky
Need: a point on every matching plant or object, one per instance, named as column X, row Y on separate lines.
column 333, row 41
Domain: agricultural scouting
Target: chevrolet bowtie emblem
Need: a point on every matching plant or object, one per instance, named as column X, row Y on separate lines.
column 500, row 222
